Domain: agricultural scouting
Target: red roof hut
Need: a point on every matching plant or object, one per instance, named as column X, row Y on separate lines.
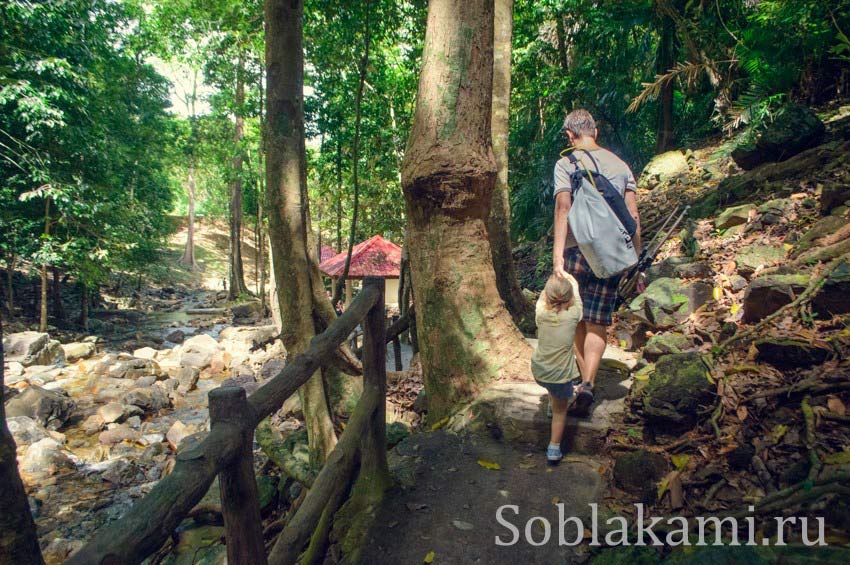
column 375, row 257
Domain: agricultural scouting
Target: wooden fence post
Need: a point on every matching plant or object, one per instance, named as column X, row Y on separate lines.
column 240, row 501
column 374, row 460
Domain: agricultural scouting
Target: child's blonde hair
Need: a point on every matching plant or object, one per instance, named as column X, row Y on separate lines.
column 558, row 293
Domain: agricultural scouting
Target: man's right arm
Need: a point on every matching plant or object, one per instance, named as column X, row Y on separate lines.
column 563, row 201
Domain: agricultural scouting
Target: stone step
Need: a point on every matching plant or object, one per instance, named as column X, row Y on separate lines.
column 517, row 412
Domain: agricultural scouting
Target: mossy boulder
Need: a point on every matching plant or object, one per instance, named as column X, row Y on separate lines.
column 663, row 167
column 679, row 388
column 767, row 294
column 667, row 302
column 795, row 129
column 679, row 267
column 665, row 344
column 821, row 228
column 833, row 195
column 783, row 353
column 734, row 216
column 638, row 472
column 753, row 257
column 834, row 297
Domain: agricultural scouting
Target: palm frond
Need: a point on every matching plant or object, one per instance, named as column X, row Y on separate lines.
column 689, row 72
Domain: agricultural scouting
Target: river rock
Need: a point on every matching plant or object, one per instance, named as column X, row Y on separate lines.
column 248, row 310
column 177, row 433
column 248, row 382
column 43, row 459
column 678, row 388
column 187, row 379
column 76, row 351
column 795, row 129
column 767, row 294
column 49, row 408
column 12, row 370
column 111, row 412
column 135, row 368
column 236, row 338
column 793, row 353
column 145, row 353
column 754, row 257
column 118, row 433
column 92, row 424
column 734, row 216
column 198, row 351
column 151, row 399
column 665, row 344
column 175, row 336
column 638, row 472
column 26, row 431
column 32, row 348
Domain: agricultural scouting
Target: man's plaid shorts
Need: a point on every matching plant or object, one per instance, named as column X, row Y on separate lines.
column 599, row 296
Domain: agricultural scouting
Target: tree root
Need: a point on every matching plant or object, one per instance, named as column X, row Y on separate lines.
column 763, row 474
column 809, row 418
column 811, row 387
column 797, row 494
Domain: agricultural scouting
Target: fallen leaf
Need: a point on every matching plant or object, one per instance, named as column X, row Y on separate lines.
column 735, row 308
column 839, row 458
column 742, row 412
column 461, row 525
column 835, row 405
column 429, row 558
column 555, row 501
column 528, row 465
column 778, row 432
column 680, row 460
column 717, row 293
column 440, row 424
column 489, row 465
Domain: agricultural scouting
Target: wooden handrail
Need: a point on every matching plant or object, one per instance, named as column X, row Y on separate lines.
column 151, row 520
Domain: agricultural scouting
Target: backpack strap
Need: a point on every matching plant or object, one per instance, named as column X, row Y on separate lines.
column 592, row 160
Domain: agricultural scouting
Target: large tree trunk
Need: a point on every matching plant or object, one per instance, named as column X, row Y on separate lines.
column 56, row 295
column 466, row 335
column 338, row 196
column 499, row 222
column 665, row 60
column 10, row 283
column 18, row 539
column 42, row 324
column 188, row 258
column 237, row 277
column 355, row 157
column 288, row 214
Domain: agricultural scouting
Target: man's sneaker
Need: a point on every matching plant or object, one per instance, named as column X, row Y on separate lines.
column 553, row 454
column 583, row 402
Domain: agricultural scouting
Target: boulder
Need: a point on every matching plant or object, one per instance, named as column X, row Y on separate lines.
column 187, row 379
column 47, row 407
column 754, row 257
column 23, row 347
column 662, row 168
column 198, row 351
column 667, row 302
column 833, row 195
column 679, row 387
column 251, row 309
column 237, row 338
column 734, row 216
column 26, row 431
column 822, row 228
column 832, row 300
column 43, row 459
column 76, row 351
column 679, row 267
column 92, row 424
column 665, row 344
column 176, row 433
column 795, row 129
column 767, row 294
column 151, row 399
column 791, row 353
column 638, row 473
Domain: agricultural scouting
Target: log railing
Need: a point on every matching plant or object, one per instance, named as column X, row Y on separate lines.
column 227, row 452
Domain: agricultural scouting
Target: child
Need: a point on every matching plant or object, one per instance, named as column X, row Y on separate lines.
column 553, row 362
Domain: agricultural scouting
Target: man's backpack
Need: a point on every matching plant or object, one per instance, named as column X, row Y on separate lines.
column 603, row 238
column 609, row 192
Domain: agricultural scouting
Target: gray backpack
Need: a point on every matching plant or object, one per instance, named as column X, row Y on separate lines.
column 600, row 234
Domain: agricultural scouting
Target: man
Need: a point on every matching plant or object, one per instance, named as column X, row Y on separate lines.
column 599, row 296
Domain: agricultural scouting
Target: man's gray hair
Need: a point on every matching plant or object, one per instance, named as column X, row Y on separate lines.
column 580, row 122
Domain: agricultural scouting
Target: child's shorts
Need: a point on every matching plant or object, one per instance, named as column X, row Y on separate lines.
column 563, row 391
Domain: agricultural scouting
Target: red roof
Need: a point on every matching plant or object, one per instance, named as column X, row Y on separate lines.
column 327, row 253
column 375, row 257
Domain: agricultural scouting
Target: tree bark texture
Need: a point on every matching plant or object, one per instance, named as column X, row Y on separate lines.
column 18, row 539
column 499, row 222
column 286, row 181
column 237, row 276
column 466, row 336
column 188, row 258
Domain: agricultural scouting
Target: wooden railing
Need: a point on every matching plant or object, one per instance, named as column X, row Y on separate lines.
column 227, row 452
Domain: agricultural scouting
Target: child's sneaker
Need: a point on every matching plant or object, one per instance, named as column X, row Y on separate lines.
column 553, row 454
column 584, row 400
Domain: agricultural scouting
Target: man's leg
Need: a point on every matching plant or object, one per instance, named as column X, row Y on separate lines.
column 578, row 346
column 594, row 347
